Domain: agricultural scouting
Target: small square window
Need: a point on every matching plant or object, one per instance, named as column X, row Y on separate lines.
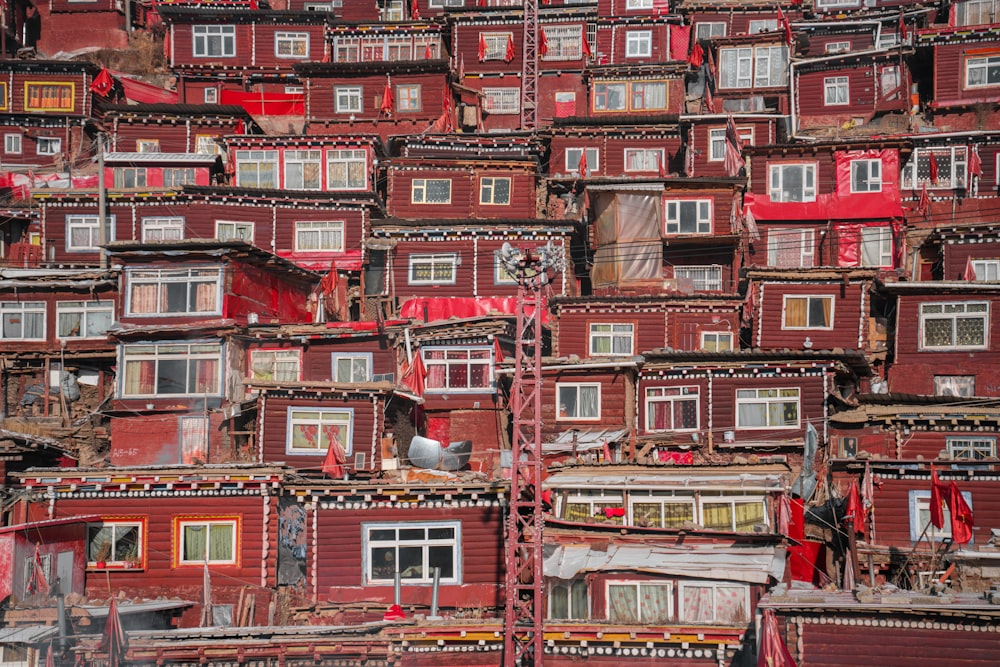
column 638, row 43
column 578, row 402
column 211, row 95
column 807, row 312
column 12, row 144
column 206, row 542
column 494, row 191
column 48, row 146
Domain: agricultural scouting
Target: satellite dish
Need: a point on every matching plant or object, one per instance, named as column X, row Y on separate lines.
column 431, row 454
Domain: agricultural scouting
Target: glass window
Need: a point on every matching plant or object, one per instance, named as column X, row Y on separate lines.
column 791, row 248
column 408, row 98
column 431, row 191
column 986, row 270
column 206, row 145
column 231, row 230
column 638, row 43
column 162, row 229
column 214, row 41
column 767, row 408
column 611, row 339
column 48, row 146
column 578, row 401
column 496, row 45
column 352, row 367
column 12, row 144
column 753, row 67
column 437, row 269
column 257, row 169
column 291, row 45
column 708, row 29
column 792, row 182
column 732, row 513
column 347, row 99
column 807, row 312
column 129, row 177
column 319, row 236
column 502, row 100
column 573, row 160
column 970, row 448
column 314, row 431
column 84, row 319
column 717, row 141
column 955, row 385
column 672, row 408
column 206, row 542
column 938, row 168
column 921, row 527
column 563, row 43
column 954, row 326
column 876, row 246
column 83, row 232
column 22, row 320
column 711, row 602
column 494, row 191
column 173, row 291
column 48, row 96
column 640, row 602
column 982, row 72
column 175, row 178
column 115, row 542
column 583, row 505
column 653, row 509
column 303, row 169
column 610, row 96
column 702, row 278
column 569, row 600
column 976, row 12
column 837, row 47
column 716, row 341
column 347, row 169
column 171, row 369
column 279, row 365
column 688, row 216
column 414, row 550
column 458, row 369
column 836, row 91
column 762, row 25
column 501, row 275
column 866, row 175
column 644, row 159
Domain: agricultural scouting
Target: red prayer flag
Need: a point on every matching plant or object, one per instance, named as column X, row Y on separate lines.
column 772, row 651
column 902, row 26
column 582, row 167
column 697, row 56
column 961, row 516
column 387, row 99
column 975, row 162
column 428, row 52
column 933, row 168
column 414, row 375
column 509, row 54
column 36, row 581
column 254, row 5
column 855, row 512
column 660, row 170
column 970, row 271
column 482, row 47
column 103, row 83
column 333, row 464
column 543, row 43
column 585, row 45
column 784, row 24
column 461, row 67
column 937, row 500
column 924, row 203
column 733, row 149
column 414, row 11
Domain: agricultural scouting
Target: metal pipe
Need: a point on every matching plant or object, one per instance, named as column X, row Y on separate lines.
column 434, row 593
column 397, row 584
column 61, row 616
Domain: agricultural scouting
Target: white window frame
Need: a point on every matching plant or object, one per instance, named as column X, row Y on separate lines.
column 91, row 225
column 866, row 175
column 408, row 98
column 836, row 91
column 578, row 387
column 332, row 230
column 673, row 218
column 147, row 145
column 564, row 42
column 213, row 41
column 426, row 575
column 806, row 246
column 838, row 4
column 682, row 615
column 502, row 101
column 302, row 159
column 638, row 43
column 210, row 95
column 717, row 141
column 704, row 277
column 191, row 352
column 725, row 498
column 987, row 270
column 837, row 47
column 48, row 146
column 672, row 395
column 117, row 525
column 129, row 177
column 644, row 160
column 950, row 177
column 612, row 332
column 638, row 585
column 809, row 298
column 750, row 67
column 775, row 174
column 987, row 65
column 635, row 5
column 234, row 230
column 320, row 418
column 272, row 364
column 756, row 26
column 955, row 385
column 285, row 45
column 453, row 356
column 15, row 313
column 719, row 337
column 488, row 194
column 969, row 448
column 435, row 263
column 206, row 144
column 354, row 164
column 560, row 589
column 207, row 524
column 573, row 159
column 257, row 169
column 348, row 99
column 420, row 188
column 662, row 499
column 927, row 312
column 167, row 228
column 976, row 12
column 919, row 502
column 594, row 500
column 764, row 397
column 876, row 246
column 705, row 30
column 12, row 144
column 359, row 361
column 162, row 279
column 496, row 44
column 85, row 311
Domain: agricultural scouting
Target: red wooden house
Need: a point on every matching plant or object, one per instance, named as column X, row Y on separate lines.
column 70, row 25
column 705, row 140
column 947, row 337
column 152, row 170
column 173, row 128
column 625, row 148
column 33, row 556
column 212, row 49
column 752, row 72
column 717, row 20
column 968, row 251
column 816, row 308
column 851, row 88
column 459, row 260
column 44, row 104
column 617, row 325
column 155, row 531
column 355, row 538
column 826, row 205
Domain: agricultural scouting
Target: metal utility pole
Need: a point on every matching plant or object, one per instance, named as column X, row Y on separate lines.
column 102, row 202
column 524, row 585
column 529, row 67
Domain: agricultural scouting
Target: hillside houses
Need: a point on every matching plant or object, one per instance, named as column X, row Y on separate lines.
column 261, row 339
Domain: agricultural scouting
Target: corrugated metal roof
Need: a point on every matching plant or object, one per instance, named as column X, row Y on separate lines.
column 207, row 158
column 127, row 608
column 31, row 634
column 765, row 477
column 583, row 440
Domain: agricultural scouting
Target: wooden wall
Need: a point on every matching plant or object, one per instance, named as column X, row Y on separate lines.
column 849, row 328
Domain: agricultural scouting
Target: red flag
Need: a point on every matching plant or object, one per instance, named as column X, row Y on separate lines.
column 582, row 167
column 36, row 581
column 970, row 271
column 854, row 512
column 428, row 52
column 961, row 516
column 543, row 43
column 772, row 651
column 585, row 45
column 509, row 54
column 497, row 350
column 937, row 500
column 103, row 83
column 975, row 162
column 461, row 67
column 784, row 24
column 660, row 170
column 414, row 11
column 114, row 640
column 933, row 168
column 333, row 464
column 254, row 5
column 924, row 203
column 414, row 375
column 902, row 26
column 733, row 149
column 387, row 99
column 482, row 47
column 697, row 56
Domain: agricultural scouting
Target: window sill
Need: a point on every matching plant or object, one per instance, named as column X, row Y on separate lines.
column 115, row 567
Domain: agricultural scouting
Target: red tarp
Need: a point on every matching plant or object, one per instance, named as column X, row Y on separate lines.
column 266, row 104
column 146, row 93
column 435, row 309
